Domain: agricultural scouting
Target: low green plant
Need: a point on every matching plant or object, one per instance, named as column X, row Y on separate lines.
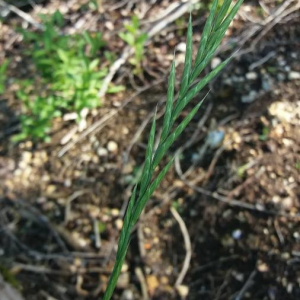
column 213, row 32
column 68, row 78
column 265, row 134
column 136, row 39
column 3, row 76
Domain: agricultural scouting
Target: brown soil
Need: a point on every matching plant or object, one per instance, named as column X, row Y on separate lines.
column 240, row 202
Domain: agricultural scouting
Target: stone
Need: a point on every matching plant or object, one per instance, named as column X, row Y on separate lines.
column 250, row 97
column 181, row 47
column 70, row 116
column 251, row 76
column 119, row 224
column 127, row 295
column 215, row 62
column 152, row 283
column 215, row 138
column 237, row 234
column 112, row 146
column 102, row 151
column 294, row 75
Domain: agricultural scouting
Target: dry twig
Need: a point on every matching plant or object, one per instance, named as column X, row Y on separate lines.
column 187, row 244
column 26, row 17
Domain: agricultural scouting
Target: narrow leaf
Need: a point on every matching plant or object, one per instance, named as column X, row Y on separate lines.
column 126, row 229
column 224, row 25
column 199, row 68
column 162, row 149
column 115, row 275
column 142, row 202
column 180, row 105
column 188, row 60
column 206, row 32
column 122, row 247
column 146, row 175
column 222, row 13
column 169, row 104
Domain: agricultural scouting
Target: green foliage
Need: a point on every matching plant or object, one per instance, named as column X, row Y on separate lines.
column 68, row 73
column 134, row 38
column 214, row 30
column 3, row 69
column 265, row 134
column 9, row 277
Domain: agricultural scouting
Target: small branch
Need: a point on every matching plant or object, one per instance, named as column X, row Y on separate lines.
column 26, row 17
column 238, row 203
column 139, row 274
column 187, row 244
column 113, row 70
column 246, row 286
column 97, row 234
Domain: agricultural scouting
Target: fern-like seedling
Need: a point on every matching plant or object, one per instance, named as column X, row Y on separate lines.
column 213, row 32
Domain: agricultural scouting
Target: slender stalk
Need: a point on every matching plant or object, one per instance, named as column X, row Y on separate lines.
column 214, row 30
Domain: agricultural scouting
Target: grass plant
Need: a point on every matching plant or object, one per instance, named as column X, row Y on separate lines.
column 67, row 77
column 135, row 39
column 214, row 30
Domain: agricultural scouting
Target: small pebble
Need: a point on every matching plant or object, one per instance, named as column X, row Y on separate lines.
column 280, row 77
column 70, row 116
column 102, row 151
column 215, row 62
column 68, row 182
column 215, row 138
column 251, row 76
column 125, row 268
column 115, row 212
column 112, row 146
column 119, row 224
column 236, row 234
column 250, row 97
column 294, row 55
column 27, row 156
column 294, row 75
column 125, row 130
column 262, row 267
column 127, row 295
column 181, row 47
column 287, row 203
column 289, row 288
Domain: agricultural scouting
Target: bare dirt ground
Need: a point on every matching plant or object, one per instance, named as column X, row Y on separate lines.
column 235, row 183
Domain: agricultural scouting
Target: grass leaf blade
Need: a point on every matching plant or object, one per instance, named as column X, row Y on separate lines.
column 161, row 151
column 169, row 104
column 188, row 60
column 225, row 24
column 122, row 247
column 146, row 176
column 222, row 13
column 196, row 89
column 142, row 202
column 206, row 32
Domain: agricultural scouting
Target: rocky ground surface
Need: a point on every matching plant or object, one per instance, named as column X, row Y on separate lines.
column 235, row 183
